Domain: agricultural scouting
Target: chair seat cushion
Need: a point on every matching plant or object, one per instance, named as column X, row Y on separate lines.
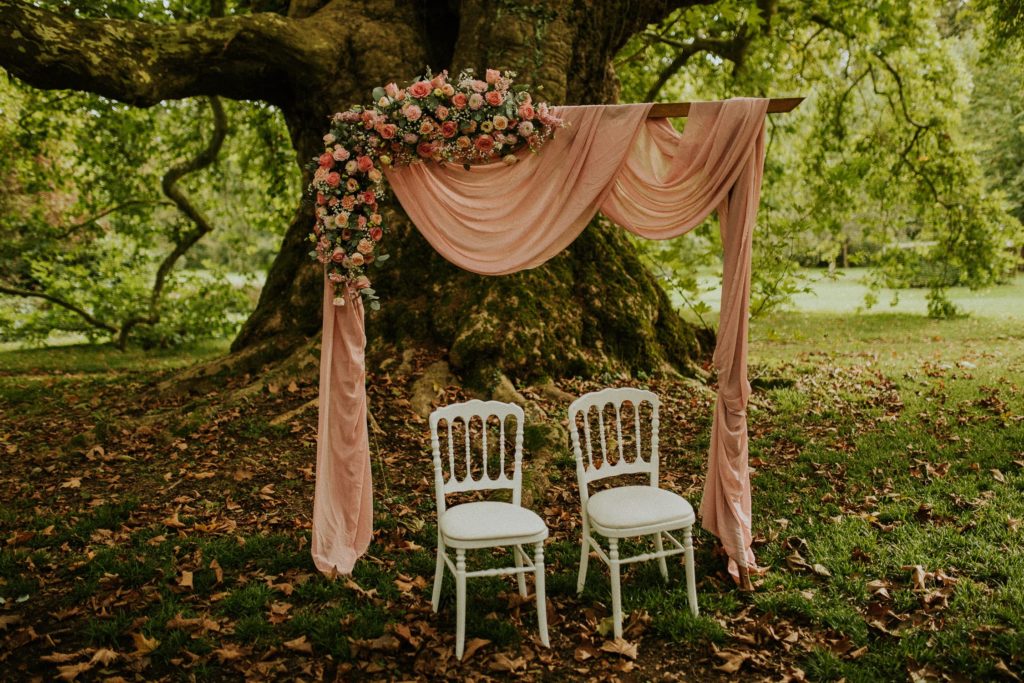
column 491, row 520
column 635, row 507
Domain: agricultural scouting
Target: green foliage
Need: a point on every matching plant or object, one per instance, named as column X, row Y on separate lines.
column 83, row 218
column 882, row 165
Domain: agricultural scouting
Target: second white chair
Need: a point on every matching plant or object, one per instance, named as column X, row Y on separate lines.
column 483, row 524
column 626, row 511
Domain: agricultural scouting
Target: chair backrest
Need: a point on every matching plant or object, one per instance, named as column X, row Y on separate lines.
column 473, row 422
column 611, row 450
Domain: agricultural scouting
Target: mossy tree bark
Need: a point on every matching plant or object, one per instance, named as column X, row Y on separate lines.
column 592, row 308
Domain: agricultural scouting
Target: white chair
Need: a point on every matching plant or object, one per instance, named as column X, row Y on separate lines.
column 483, row 524
column 626, row 511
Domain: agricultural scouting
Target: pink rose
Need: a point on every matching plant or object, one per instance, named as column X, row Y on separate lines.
column 369, row 197
column 334, row 179
column 321, row 198
column 388, row 130
column 365, row 246
column 441, row 113
column 526, row 111
column 361, row 282
column 492, row 76
column 449, row 129
column 326, row 160
column 484, row 143
column 494, row 98
column 476, row 101
column 364, row 163
column 352, row 185
column 369, row 119
column 338, row 256
column 412, row 111
column 439, row 80
column 425, row 150
column 460, row 101
column 525, row 129
column 361, row 222
column 420, row 89
column 479, row 86
column 336, row 278
column 411, row 138
column 391, row 90
column 376, row 234
column 329, row 139
column 340, row 153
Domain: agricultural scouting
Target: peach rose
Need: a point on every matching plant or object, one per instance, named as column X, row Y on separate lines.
column 476, row 101
column 425, row 150
column 375, row 175
column 357, row 259
column 460, row 101
column 492, row 76
column 449, row 129
column 500, row 122
column 463, row 142
column 338, row 255
column 441, row 112
column 388, row 130
column 484, row 143
column 494, row 98
column 348, row 202
column 326, row 160
column 391, row 90
column 352, row 185
column 365, row 246
column 376, row 234
column 526, row 111
column 412, row 112
column 333, row 179
column 340, row 153
column 361, row 282
column 350, row 167
column 369, row 197
column 364, row 163
column 420, row 89
column 448, row 89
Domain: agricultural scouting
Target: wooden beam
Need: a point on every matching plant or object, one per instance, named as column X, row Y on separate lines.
column 776, row 105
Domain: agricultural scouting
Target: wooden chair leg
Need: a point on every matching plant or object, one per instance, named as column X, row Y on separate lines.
column 517, row 551
column 613, row 556
column 661, row 558
column 584, row 557
column 542, row 605
column 460, row 601
column 435, row 599
column 691, row 579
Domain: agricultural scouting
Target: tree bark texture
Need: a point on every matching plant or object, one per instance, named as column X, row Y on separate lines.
column 593, row 308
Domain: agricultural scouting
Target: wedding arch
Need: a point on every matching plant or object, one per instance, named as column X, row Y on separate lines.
column 626, row 161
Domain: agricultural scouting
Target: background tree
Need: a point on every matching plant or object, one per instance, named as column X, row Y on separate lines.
column 593, row 308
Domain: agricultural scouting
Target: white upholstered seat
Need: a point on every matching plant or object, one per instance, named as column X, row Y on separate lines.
column 492, row 521
column 645, row 508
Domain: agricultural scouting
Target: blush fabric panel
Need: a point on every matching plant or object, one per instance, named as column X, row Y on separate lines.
column 497, row 219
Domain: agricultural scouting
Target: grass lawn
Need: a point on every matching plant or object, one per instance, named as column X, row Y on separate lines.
column 159, row 536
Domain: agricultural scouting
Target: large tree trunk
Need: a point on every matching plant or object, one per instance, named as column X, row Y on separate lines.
column 590, row 309
column 594, row 308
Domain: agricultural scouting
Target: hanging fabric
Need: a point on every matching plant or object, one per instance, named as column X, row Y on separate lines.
column 498, row 219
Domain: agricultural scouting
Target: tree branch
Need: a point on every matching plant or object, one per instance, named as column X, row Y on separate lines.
column 114, row 209
column 201, row 223
column 243, row 57
column 81, row 312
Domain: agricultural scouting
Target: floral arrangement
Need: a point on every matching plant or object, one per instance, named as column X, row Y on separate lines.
column 467, row 121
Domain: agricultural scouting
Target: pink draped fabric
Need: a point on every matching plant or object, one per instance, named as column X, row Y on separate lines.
column 343, row 497
column 497, row 219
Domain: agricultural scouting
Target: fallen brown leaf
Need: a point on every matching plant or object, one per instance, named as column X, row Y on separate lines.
column 300, row 644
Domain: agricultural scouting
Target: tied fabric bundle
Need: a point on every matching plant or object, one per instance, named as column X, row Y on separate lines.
column 642, row 174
